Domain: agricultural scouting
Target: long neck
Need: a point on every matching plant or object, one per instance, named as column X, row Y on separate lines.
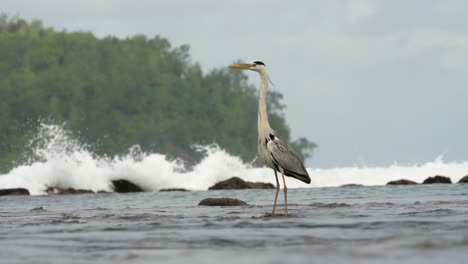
column 263, row 124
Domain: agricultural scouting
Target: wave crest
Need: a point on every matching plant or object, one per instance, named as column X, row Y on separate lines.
column 57, row 159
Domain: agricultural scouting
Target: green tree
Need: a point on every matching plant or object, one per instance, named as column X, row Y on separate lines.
column 115, row 93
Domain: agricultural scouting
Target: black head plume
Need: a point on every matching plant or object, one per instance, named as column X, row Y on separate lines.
column 259, row 63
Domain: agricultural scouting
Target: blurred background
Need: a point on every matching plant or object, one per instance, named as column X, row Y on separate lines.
column 368, row 82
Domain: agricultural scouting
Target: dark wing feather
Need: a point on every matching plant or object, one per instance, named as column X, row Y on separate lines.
column 288, row 159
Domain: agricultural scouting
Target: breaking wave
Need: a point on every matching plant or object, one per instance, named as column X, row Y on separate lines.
column 64, row 162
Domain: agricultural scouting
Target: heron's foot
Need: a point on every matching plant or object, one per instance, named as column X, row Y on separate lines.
column 272, row 214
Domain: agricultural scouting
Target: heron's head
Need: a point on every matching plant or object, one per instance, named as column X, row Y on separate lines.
column 253, row 66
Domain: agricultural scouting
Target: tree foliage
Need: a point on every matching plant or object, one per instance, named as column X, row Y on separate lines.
column 119, row 92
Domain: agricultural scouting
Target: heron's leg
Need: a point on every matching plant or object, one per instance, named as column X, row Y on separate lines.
column 285, row 189
column 276, row 195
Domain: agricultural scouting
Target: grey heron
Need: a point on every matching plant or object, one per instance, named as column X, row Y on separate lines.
column 275, row 152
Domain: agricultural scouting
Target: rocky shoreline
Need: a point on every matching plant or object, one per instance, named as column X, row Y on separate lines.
column 234, row 183
column 438, row 179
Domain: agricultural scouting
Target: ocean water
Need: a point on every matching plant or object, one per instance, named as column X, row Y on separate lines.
column 327, row 223
column 376, row 224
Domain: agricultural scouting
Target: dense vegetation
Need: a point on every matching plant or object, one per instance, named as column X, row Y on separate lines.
column 115, row 93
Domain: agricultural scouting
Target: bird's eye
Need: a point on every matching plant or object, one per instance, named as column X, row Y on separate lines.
column 259, row 63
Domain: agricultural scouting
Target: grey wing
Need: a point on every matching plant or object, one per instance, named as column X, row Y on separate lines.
column 288, row 159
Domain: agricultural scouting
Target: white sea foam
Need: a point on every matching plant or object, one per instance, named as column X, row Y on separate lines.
column 64, row 162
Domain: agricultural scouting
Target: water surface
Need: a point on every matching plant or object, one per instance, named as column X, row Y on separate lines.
column 386, row 224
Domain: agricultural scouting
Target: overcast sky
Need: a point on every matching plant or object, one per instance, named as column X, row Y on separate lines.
column 372, row 82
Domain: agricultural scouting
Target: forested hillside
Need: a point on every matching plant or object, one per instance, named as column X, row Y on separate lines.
column 114, row 93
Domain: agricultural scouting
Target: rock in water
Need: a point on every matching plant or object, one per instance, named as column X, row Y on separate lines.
column 464, row 179
column 230, row 184
column 38, row 209
column 437, row 179
column 222, row 202
column 14, row 191
column 401, row 182
column 236, row 183
column 124, row 186
column 59, row 191
column 260, row 185
column 174, row 190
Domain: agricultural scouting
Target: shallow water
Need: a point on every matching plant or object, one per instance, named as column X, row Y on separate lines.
column 384, row 224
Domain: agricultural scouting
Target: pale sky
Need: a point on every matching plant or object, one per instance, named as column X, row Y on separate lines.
column 372, row 82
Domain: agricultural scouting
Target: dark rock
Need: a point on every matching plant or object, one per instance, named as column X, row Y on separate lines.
column 230, row 184
column 222, row 202
column 59, row 191
column 14, row 191
column 174, row 190
column 401, row 182
column 236, row 183
column 464, row 179
column 38, row 209
column 74, row 191
column 124, row 186
column 437, row 179
column 351, row 185
column 260, row 185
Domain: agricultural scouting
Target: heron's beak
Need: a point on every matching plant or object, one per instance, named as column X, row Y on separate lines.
column 240, row 66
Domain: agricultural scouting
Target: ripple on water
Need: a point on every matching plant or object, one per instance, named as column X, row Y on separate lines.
column 436, row 212
column 379, row 204
column 66, row 218
column 440, row 243
column 329, row 205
